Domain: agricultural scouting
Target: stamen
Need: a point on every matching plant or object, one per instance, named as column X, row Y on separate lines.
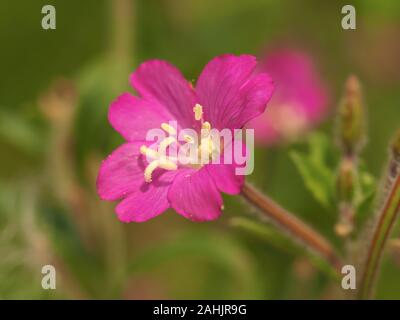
column 188, row 138
column 206, row 147
column 143, row 150
column 198, row 112
column 159, row 159
column 159, row 156
column 169, row 129
column 206, row 126
column 162, row 163
column 205, row 129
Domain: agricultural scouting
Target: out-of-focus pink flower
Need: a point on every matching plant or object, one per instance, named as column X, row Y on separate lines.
column 227, row 95
column 299, row 101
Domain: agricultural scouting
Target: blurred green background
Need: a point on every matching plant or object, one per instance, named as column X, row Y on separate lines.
column 55, row 89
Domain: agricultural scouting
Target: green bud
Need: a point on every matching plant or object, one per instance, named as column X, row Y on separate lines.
column 351, row 118
column 346, row 180
column 346, row 186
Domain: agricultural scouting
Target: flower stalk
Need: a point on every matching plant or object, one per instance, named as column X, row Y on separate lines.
column 290, row 223
column 386, row 219
column 351, row 138
column 345, row 183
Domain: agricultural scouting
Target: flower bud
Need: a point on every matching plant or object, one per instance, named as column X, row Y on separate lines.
column 346, row 180
column 345, row 185
column 351, row 118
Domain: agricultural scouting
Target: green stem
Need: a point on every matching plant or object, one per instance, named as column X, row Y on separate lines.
column 384, row 226
column 293, row 225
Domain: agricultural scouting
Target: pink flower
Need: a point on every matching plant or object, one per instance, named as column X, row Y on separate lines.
column 299, row 102
column 227, row 95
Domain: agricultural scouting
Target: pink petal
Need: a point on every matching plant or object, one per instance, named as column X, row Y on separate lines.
column 132, row 117
column 298, row 80
column 224, row 174
column 194, row 195
column 254, row 96
column 225, row 177
column 121, row 173
column 299, row 101
column 149, row 201
column 265, row 131
column 229, row 92
column 163, row 82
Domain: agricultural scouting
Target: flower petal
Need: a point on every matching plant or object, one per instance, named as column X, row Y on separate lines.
column 229, row 92
column 163, row 82
column 235, row 155
column 225, row 177
column 133, row 117
column 254, row 96
column 149, row 201
column 194, row 195
column 299, row 82
column 265, row 128
column 121, row 173
column 299, row 102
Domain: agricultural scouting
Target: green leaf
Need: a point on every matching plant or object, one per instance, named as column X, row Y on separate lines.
column 317, row 175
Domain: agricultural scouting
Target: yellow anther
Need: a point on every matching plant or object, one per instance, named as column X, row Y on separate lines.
column 188, row 138
column 159, row 159
column 143, row 150
column 169, row 129
column 205, row 129
column 206, row 126
column 198, row 112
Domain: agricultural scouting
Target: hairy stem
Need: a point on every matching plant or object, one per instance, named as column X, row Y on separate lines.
column 290, row 223
column 350, row 134
column 384, row 225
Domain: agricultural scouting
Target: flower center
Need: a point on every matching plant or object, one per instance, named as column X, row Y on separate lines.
column 195, row 156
